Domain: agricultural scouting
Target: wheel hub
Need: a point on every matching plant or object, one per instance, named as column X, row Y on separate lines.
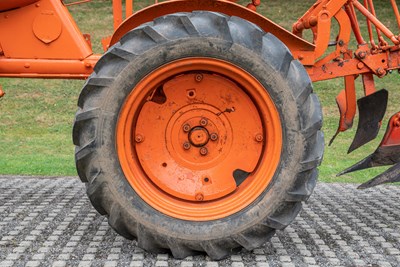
column 198, row 136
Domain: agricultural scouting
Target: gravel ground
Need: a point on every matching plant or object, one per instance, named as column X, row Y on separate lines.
column 50, row 222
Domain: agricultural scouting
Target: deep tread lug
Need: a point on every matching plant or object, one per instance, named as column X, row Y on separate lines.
column 315, row 153
column 303, row 189
column 181, row 251
column 123, row 54
column 284, row 216
column 189, row 27
column 278, row 55
column 154, row 35
column 216, row 252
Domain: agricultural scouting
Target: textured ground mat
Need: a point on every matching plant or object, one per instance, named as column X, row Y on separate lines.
column 50, row 222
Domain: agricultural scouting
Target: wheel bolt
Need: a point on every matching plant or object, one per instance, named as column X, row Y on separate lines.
column 198, row 77
column 259, row 137
column 139, row 138
column 203, row 122
column 213, row 136
column 186, row 127
column 186, row 145
column 203, row 151
column 199, row 197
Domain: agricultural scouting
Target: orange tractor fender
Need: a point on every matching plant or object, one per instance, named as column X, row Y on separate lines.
column 296, row 45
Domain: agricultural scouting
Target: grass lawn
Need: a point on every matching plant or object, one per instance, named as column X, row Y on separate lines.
column 37, row 115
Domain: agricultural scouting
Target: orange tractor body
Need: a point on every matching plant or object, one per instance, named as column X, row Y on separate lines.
column 207, row 111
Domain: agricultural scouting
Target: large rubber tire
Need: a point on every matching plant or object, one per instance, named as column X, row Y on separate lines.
column 209, row 35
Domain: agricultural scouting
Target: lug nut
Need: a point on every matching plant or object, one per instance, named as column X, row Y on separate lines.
column 198, row 77
column 186, row 145
column 199, row 197
column 203, row 122
column 213, row 136
column 203, row 151
column 186, row 127
column 139, row 138
column 259, row 137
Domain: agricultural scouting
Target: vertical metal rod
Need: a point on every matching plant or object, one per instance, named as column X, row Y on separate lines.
column 371, row 36
column 376, row 22
column 128, row 8
column 117, row 13
column 371, row 6
column 354, row 23
column 396, row 12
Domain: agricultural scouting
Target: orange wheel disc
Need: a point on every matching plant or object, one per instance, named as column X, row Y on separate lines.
column 199, row 139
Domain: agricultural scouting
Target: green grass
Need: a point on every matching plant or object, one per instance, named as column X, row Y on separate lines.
column 37, row 115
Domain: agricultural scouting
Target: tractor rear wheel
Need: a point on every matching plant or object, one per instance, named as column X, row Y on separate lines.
column 198, row 132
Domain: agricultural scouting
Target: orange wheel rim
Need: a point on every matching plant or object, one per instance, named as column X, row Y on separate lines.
column 199, row 139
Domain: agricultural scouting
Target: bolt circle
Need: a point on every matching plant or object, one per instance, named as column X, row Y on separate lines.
column 186, row 145
column 139, row 138
column 203, row 122
column 259, row 137
column 203, row 151
column 214, row 137
column 186, row 127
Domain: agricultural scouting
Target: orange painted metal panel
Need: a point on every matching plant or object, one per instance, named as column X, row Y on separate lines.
column 11, row 4
column 34, row 32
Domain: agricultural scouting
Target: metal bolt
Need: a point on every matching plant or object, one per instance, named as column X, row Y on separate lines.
column 139, row 138
column 213, row 136
column 362, row 54
column 186, row 145
column 199, row 197
column 381, row 71
column 186, row 127
column 203, row 151
column 198, row 77
column 360, row 65
column 203, row 122
column 259, row 137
